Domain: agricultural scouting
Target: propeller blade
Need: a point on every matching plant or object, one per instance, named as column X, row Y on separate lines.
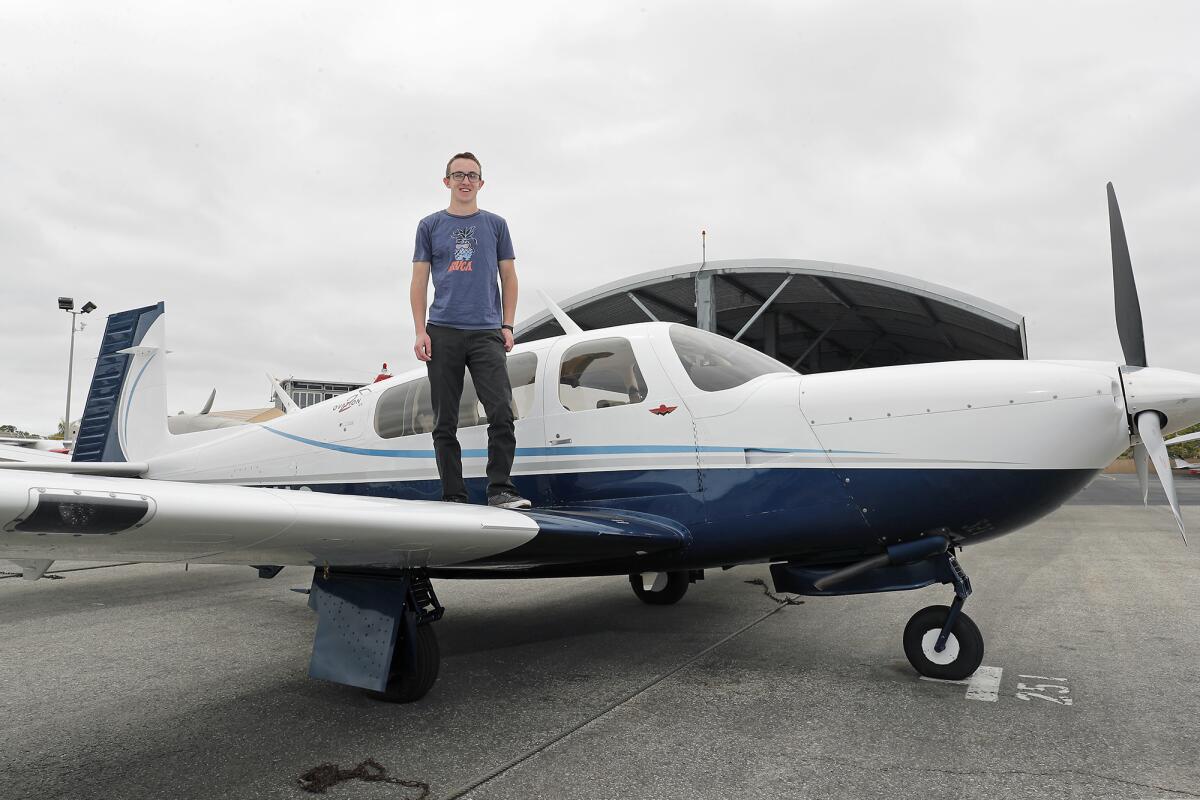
column 1191, row 437
column 208, row 406
column 1150, row 429
column 1143, row 471
column 1129, row 311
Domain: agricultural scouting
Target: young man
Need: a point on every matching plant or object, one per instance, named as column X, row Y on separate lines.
column 470, row 326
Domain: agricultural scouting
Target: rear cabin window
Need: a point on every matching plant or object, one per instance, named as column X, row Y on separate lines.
column 406, row 409
column 714, row 363
column 600, row 374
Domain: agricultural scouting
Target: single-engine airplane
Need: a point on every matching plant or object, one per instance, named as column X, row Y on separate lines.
column 652, row 450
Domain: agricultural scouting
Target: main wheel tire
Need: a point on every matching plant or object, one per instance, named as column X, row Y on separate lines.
column 673, row 592
column 405, row 687
column 963, row 652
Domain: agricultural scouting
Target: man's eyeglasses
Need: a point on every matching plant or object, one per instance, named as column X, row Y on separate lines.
column 457, row 177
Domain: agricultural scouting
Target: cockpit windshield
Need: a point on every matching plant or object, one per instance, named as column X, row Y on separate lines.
column 715, row 363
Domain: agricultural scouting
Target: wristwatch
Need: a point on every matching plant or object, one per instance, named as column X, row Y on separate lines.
column 510, row 327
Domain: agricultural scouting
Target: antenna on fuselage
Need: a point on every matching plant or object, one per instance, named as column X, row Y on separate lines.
column 285, row 400
column 568, row 325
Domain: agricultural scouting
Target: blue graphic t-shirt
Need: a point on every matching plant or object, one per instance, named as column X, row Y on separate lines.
column 464, row 254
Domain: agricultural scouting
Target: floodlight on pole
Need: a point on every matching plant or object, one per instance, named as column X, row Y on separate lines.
column 68, row 304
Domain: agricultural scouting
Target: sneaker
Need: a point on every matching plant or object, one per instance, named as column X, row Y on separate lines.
column 455, row 500
column 509, row 500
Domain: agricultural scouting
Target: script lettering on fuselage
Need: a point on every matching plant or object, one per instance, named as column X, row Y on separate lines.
column 348, row 403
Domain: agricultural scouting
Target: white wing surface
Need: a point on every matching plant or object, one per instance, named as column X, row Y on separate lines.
column 50, row 516
column 56, row 516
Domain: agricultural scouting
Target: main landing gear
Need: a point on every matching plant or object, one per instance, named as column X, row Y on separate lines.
column 416, row 658
column 663, row 588
column 375, row 631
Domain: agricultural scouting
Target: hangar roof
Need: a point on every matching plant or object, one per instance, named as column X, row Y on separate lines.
column 817, row 316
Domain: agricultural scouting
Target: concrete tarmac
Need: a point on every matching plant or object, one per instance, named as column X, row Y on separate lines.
column 149, row 681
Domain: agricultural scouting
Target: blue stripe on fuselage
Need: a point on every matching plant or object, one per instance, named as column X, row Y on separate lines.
column 562, row 450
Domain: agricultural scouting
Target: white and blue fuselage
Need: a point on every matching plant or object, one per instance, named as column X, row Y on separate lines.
column 776, row 466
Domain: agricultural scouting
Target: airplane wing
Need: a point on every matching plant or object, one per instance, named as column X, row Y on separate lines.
column 47, row 516
column 1190, row 437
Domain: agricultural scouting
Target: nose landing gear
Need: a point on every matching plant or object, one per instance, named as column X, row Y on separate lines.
column 941, row 641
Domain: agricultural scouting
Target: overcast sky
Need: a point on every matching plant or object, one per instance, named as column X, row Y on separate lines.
column 261, row 166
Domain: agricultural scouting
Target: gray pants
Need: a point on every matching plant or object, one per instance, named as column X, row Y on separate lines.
column 482, row 352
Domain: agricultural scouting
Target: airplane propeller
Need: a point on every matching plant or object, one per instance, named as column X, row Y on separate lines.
column 1129, row 310
column 1150, row 429
column 1133, row 345
column 1142, row 463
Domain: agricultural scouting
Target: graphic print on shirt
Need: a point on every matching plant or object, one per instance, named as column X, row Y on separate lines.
column 464, row 249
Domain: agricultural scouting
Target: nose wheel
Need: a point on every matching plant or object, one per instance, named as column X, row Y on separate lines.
column 941, row 641
column 961, row 654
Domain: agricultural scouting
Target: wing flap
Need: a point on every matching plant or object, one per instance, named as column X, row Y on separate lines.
column 580, row 536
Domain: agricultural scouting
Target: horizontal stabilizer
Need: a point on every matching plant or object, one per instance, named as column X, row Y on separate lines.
column 28, row 455
column 115, row 469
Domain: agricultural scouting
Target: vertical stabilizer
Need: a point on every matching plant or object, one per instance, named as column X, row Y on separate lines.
column 129, row 370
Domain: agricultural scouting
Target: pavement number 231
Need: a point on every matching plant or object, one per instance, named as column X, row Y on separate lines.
column 1053, row 690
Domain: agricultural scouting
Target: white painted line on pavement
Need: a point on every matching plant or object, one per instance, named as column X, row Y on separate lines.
column 983, row 685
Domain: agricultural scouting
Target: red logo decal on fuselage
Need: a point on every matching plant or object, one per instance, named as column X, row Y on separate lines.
column 663, row 410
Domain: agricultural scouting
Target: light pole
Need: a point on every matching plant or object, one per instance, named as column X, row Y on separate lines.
column 68, row 304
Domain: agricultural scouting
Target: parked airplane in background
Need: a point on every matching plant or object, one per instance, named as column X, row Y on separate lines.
column 653, row 450
column 45, row 445
column 43, row 450
column 1191, row 469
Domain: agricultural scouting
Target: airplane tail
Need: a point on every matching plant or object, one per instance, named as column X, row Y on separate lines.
column 125, row 418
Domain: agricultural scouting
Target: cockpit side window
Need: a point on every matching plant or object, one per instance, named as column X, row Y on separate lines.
column 600, row 374
column 714, row 363
column 406, row 409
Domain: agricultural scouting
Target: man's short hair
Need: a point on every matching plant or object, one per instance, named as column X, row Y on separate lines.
column 471, row 156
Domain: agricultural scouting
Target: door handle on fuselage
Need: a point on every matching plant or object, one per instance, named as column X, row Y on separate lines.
column 560, row 441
